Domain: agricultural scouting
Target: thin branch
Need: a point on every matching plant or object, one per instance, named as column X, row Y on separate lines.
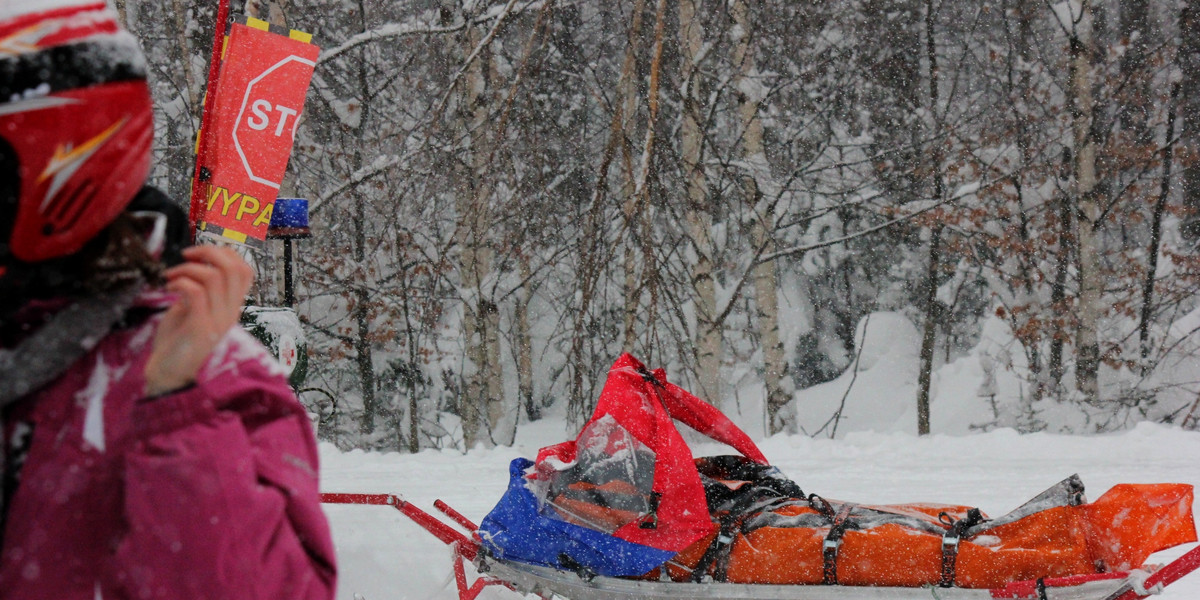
column 386, row 32
column 845, row 238
column 484, row 43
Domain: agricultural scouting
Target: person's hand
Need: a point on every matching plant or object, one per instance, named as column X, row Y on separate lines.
column 212, row 286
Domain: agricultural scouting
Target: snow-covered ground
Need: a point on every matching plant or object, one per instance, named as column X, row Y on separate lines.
column 383, row 556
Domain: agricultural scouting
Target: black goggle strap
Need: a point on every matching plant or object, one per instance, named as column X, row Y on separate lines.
column 69, row 67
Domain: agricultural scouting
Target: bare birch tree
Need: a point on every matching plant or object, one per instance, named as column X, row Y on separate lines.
column 482, row 400
column 1082, row 52
column 749, row 92
column 699, row 213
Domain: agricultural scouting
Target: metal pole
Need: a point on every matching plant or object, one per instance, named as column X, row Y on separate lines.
column 289, row 291
column 201, row 174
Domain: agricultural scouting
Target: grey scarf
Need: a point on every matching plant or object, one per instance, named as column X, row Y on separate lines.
column 69, row 335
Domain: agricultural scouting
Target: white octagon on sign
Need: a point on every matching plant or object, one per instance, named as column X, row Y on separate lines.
column 242, row 114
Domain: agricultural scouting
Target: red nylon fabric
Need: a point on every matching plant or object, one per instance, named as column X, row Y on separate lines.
column 647, row 409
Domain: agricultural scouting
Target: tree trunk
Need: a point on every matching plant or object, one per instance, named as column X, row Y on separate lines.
column 497, row 408
column 1087, row 200
column 1135, row 35
column 640, row 223
column 588, row 273
column 1156, row 217
column 364, row 353
column 415, row 377
column 775, row 366
column 707, row 338
column 364, row 357
column 1189, row 111
column 1059, row 308
column 1058, row 295
column 524, row 345
column 929, row 334
column 1019, row 86
column 625, row 130
column 472, row 195
column 763, row 274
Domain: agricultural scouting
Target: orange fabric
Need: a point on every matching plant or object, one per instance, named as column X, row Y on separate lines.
column 1050, row 543
column 1116, row 533
column 586, row 514
column 1130, row 517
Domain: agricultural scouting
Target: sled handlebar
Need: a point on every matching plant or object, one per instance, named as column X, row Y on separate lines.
column 455, row 516
column 467, row 547
column 464, row 548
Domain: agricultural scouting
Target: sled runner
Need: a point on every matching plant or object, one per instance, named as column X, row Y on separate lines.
column 625, row 511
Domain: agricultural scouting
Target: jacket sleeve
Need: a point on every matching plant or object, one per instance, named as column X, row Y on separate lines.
column 221, row 496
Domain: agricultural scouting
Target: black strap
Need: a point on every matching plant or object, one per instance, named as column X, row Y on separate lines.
column 955, row 530
column 568, row 562
column 949, row 556
column 732, row 523
column 721, row 569
column 833, row 542
column 718, row 552
column 649, row 377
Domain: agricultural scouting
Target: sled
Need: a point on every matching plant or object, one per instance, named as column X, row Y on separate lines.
column 548, row 583
column 624, row 511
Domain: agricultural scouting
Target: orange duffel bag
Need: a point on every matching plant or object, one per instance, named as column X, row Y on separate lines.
column 770, row 532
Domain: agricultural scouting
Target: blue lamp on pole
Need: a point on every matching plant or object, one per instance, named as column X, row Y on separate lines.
column 289, row 221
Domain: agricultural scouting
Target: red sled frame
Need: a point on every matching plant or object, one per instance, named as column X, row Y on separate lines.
column 466, row 548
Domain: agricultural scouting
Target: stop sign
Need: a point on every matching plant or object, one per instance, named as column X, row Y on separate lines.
column 269, row 112
column 259, row 99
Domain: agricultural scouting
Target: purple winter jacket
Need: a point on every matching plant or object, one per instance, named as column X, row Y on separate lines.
column 206, row 493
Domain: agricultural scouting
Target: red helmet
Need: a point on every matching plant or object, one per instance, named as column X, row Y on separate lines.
column 75, row 125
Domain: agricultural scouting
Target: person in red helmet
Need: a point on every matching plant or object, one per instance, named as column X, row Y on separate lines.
column 149, row 448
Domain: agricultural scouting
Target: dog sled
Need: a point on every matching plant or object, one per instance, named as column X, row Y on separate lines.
column 624, row 511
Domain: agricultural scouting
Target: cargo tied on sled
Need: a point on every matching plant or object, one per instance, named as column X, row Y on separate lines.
column 625, row 511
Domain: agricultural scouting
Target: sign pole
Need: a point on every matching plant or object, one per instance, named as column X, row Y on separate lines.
column 289, row 289
column 201, row 174
column 289, row 222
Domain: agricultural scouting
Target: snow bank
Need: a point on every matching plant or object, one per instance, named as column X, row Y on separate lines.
column 877, row 392
column 992, row 386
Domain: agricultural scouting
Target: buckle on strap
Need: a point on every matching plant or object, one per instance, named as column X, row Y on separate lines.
column 949, row 557
column 833, row 542
column 955, row 528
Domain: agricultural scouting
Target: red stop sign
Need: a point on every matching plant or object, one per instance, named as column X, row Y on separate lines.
column 267, row 118
column 260, row 97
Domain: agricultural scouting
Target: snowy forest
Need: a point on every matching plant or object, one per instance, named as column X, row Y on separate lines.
column 507, row 194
